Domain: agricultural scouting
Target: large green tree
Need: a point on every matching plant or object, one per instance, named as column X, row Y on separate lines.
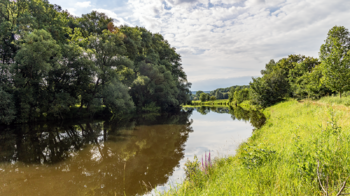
column 54, row 65
column 39, row 54
column 269, row 89
column 335, row 57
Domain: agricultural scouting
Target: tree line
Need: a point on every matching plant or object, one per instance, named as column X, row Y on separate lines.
column 55, row 65
column 219, row 93
column 300, row 76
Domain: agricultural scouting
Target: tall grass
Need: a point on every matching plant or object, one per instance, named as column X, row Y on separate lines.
column 336, row 100
column 282, row 157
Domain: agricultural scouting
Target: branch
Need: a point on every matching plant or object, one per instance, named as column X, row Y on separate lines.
column 342, row 188
column 319, row 179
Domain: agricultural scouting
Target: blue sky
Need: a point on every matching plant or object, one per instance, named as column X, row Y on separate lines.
column 226, row 42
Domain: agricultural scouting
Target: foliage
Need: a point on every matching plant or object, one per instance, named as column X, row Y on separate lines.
column 212, row 98
column 204, row 97
column 219, row 95
column 269, row 89
column 7, row 107
column 241, row 95
column 255, row 156
column 335, row 57
column 51, row 62
column 198, row 93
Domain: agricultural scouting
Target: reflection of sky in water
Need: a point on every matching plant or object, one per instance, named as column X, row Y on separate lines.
column 114, row 158
column 215, row 132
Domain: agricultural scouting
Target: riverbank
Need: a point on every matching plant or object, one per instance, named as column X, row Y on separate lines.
column 282, row 157
column 218, row 102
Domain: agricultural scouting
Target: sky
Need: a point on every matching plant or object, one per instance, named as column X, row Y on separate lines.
column 227, row 42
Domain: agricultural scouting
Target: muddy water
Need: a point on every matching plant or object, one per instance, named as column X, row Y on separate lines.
column 129, row 157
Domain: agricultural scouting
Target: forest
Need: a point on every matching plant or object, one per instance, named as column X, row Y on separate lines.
column 55, row 66
column 299, row 76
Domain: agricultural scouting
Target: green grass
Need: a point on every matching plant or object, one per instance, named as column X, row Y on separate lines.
column 336, row 100
column 281, row 157
column 210, row 103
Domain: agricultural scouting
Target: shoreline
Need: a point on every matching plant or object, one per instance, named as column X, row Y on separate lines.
column 281, row 157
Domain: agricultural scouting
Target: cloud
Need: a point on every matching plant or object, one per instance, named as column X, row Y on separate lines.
column 237, row 38
column 229, row 38
column 113, row 15
column 72, row 11
column 212, row 84
column 84, row 4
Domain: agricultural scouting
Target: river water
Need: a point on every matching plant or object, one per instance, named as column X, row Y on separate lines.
column 135, row 156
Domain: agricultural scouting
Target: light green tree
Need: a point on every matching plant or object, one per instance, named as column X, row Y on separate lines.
column 335, row 58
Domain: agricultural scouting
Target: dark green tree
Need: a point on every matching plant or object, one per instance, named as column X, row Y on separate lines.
column 7, row 108
column 269, row 89
column 218, row 95
column 203, row 97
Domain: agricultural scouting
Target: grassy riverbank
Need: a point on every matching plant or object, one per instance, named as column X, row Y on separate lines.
column 282, row 157
column 219, row 102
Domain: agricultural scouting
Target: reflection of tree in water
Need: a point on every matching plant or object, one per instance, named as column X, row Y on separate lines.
column 203, row 110
column 256, row 118
column 89, row 158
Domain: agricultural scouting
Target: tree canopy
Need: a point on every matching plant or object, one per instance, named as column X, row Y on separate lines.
column 54, row 65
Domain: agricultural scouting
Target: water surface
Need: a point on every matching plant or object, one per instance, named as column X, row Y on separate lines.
column 126, row 157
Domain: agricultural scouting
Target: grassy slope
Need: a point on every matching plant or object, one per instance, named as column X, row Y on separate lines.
column 280, row 158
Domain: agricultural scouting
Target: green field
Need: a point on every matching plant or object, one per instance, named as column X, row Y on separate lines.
column 282, row 157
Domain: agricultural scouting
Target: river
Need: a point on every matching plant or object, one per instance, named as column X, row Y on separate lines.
column 134, row 156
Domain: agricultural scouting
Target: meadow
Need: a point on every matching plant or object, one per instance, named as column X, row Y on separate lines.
column 303, row 149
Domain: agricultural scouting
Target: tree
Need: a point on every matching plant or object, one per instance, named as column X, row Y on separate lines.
column 269, row 89
column 39, row 55
column 203, row 97
column 51, row 61
column 302, row 76
column 198, row 93
column 241, row 95
column 335, row 58
column 7, row 108
column 106, row 53
column 231, row 94
column 218, row 95
column 212, row 98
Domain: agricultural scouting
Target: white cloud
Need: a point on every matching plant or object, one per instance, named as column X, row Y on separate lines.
column 229, row 38
column 237, row 38
column 84, row 4
column 72, row 11
column 113, row 15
